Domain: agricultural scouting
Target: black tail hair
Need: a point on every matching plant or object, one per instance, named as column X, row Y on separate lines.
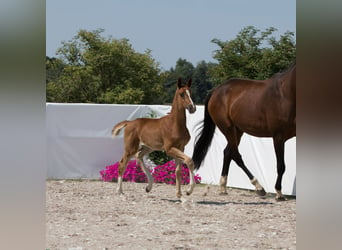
column 203, row 140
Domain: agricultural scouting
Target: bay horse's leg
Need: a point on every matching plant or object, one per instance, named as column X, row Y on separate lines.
column 178, row 155
column 279, row 146
column 233, row 142
column 143, row 151
column 227, row 158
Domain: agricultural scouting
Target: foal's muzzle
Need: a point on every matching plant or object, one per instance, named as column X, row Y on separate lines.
column 191, row 108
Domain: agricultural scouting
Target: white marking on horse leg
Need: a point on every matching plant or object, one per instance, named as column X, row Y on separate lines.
column 223, row 184
column 260, row 190
column 257, row 185
column 280, row 196
column 119, row 188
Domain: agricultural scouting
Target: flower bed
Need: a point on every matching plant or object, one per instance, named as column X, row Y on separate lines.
column 164, row 173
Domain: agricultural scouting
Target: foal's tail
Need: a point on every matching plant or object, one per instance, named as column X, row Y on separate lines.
column 117, row 128
column 203, row 140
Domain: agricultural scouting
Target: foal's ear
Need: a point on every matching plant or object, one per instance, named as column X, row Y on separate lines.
column 189, row 82
column 179, row 83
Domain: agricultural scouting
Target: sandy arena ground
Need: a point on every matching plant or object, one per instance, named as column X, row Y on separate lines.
column 90, row 215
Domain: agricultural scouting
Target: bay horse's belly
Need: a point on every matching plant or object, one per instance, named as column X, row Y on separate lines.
column 251, row 129
column 285, row 130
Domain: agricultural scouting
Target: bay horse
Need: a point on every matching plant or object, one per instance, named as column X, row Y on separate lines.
column 168, row 133
column 261, row 108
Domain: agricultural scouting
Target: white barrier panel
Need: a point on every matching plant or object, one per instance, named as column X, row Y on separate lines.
column 79, row 145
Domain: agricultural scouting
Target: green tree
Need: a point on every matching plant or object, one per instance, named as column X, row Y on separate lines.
column 201, row 81
column 253, row 54
column 105, row 70
column 183, row 69
column 54, row 68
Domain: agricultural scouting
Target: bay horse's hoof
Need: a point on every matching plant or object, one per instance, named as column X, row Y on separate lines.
column 280, row 198
column 261, row 192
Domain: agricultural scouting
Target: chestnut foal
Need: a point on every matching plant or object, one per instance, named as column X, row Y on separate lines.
column 168, row 133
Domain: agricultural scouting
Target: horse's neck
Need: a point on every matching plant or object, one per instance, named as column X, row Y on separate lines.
column 178, row 113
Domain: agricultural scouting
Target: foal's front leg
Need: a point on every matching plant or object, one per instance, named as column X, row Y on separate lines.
column 181, row 157
column 178, row 173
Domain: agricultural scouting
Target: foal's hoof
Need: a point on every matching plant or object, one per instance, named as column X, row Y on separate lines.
column 223, row 193
column 148, row 189
column 261, row 192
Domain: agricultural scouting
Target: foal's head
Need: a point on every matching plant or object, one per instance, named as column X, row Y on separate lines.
column 184, row 95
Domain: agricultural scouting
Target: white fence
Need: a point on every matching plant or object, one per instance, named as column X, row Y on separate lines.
column 79, row 145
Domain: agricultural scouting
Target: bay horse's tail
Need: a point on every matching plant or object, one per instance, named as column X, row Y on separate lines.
column 203, row 140
column 117, row 128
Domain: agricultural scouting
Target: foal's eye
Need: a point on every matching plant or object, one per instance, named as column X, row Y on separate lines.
column 182, row 94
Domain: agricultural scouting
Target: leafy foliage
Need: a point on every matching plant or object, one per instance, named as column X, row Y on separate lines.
column 253, row 54
column 201, row 81
column 94, row 69
column 159, row 157
column 103, row 70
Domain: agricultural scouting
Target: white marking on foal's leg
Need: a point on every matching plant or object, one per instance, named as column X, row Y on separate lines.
column 178, row 173
column 140, row 158
column 148, row 174
column 119, row 188
column 223, row 184
column 192, row 183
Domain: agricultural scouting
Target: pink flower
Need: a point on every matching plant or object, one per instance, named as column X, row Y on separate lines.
column 164, row 173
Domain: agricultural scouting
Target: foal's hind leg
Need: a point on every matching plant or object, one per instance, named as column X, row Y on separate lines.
column 143, row 151
column 131, row 147
column 121, row 170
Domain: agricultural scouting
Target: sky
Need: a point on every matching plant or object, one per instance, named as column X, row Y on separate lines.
column 171, row 29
